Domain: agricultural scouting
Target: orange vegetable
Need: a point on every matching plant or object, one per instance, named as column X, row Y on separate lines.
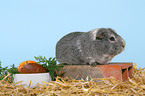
column 24, row 63
column 30, row 67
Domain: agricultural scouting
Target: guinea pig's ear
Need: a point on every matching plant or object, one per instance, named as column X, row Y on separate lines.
column 101, row 34
column 99, row 37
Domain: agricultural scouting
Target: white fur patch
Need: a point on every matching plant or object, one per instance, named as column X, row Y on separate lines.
column 79, row 45
column 94, row 32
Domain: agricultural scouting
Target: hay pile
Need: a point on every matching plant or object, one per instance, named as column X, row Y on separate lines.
column 73, row 87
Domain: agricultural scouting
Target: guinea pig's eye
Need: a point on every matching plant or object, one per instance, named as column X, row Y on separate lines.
column 112, row 39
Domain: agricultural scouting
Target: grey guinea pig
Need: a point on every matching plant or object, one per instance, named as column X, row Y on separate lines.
column 97, row 46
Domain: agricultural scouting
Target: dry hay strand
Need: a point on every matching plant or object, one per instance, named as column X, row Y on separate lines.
column 72, row 87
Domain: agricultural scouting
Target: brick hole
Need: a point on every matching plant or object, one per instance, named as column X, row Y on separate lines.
column 123, row 70
column 124, row 74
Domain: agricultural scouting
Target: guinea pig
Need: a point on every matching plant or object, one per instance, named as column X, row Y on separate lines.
column 97, row 46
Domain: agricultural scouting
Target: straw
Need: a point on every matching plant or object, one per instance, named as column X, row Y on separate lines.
column 72, row 87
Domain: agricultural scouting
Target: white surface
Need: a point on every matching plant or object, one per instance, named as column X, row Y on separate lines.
column 34, row 78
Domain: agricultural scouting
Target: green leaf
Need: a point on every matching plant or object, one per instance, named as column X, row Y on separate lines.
column 50, row 65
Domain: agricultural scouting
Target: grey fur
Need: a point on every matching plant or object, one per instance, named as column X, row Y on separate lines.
column 93, row 47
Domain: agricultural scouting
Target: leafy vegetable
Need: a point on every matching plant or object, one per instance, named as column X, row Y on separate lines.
column 50, row 65
column 13, row 69
column 4, row 72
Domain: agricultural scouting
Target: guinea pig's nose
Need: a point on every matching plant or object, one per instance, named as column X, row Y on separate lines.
column 123, row 43
column 123, row 46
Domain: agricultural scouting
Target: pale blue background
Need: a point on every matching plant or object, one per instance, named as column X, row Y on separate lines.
column 31, row 28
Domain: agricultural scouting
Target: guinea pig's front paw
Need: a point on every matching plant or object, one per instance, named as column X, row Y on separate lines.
column 94, row 64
